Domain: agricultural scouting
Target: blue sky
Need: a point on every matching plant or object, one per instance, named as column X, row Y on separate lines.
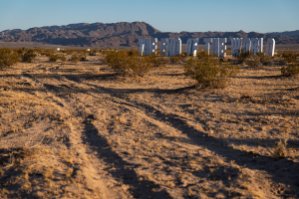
column 165, row 15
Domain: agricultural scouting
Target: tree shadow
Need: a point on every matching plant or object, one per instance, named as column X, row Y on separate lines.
column 10, row 170
column 254, row 142
column 119, row 168
column 64, row 88
column 293, row 113
column 72, row 77
column 261, row 77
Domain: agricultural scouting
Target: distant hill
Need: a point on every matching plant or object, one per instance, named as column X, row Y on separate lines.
column 123, row 34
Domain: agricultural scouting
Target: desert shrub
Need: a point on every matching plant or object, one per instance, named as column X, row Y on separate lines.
column 74, row 58
column 133, row 52
column 202, row 54
column 126, row 63
column 46, row 52
column 157, row 61
column 209, row 72
column 175, row 60
column 242, row 57
column 53, row 58
column 83, row 58
column 92, row 53
column 28, row 56
column 266, row 60
column 281, row 62
column 281, row 149
column 290, row 70
column 289, row 57
column 56, row 57
column 8, row 57
column 253, row 61
column 78, row 57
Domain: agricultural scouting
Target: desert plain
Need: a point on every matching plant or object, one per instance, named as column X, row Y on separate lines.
column 78, row 130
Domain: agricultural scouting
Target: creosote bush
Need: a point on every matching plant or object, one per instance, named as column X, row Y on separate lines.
column 28, row 55
column 157, row 61
column 175, row 60
column 209, row 71
column 289, row 57
column 8, row 57
column 253, row 61
column 56, row 57
column 291, row 64
column 242, row 57
column 78, row 57
column 290, row 70
column 93, row 52
column 129, row 63
column 266, row 60
column 281, row 149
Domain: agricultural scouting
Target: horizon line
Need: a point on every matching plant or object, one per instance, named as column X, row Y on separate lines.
column 182, row 31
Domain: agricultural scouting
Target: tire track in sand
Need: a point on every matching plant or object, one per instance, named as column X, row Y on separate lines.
column 120, row 169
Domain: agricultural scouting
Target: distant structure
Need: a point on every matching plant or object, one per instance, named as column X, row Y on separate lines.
column 192, row 46
column 257, row 45
column 171, row 47
column 208, row 44
column 270, row 47
column 213, row 46
column 248, row 45
column 148, row 46
column 236, row 46
column 216, row 46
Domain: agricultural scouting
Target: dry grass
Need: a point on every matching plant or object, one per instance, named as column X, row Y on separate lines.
column 80, row 131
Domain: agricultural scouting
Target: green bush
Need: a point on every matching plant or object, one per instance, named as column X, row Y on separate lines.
column 8, row 57
column 28, row 56
column 209, row 72
column 290, row 70
column 127, row 63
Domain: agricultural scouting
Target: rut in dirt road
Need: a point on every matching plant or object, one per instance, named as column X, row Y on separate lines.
column 120, row 169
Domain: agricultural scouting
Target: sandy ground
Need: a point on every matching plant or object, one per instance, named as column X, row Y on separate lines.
column 80, row 131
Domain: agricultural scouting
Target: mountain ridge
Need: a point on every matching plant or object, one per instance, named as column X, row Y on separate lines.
column 122, row 34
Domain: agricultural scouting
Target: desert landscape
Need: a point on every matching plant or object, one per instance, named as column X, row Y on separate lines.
column 130, row 99
column 80, row 130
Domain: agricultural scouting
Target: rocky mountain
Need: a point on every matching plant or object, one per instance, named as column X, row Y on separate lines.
column 123, row 34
